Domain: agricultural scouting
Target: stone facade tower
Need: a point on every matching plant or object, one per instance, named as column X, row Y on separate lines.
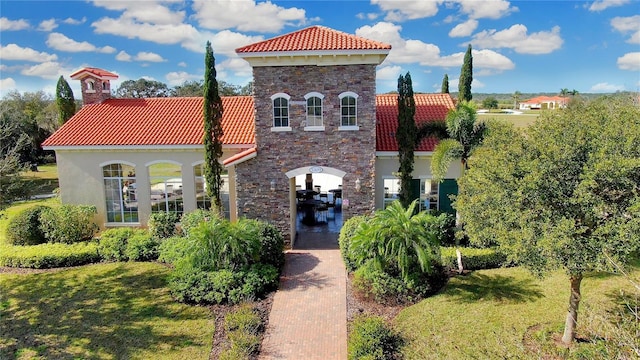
column 315, row 112
column 95, row 84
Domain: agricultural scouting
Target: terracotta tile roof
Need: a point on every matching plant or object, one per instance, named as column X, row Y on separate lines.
column 314, row 38
column 541, row 99
column 99, row 73
column 154, row 121
column 429, row 107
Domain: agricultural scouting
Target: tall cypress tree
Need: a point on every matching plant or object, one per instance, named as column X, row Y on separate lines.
column 65, row 102
column 212, row 130
column 406, row 136
column 445, row 84
column 466, row 77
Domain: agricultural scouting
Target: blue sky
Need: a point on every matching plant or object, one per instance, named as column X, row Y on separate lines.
column 526, row 46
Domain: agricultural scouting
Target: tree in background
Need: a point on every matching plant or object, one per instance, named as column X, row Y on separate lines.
column 464, row 135
column 212, row 130
column 195, row 88
column 406, row 136
column 188, row 88
column 490, row 103
column 445, row 84
column 563, row 195
column 65, row 101
column 143, row 88
column 11, row 185
column 466, row 77
column 516, row 98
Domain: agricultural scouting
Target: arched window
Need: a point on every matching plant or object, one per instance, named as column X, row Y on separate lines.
column 314, row 109
column 280, row 110
column 91, row 86
column 165, row 180
column 120, row 193
column 348, row 109
column 104, row 86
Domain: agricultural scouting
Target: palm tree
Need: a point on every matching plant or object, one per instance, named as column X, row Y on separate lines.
column 464, row 135
column 564, row 92
column 516, row 98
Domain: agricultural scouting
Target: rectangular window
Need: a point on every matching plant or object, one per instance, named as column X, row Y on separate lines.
column 120, row 193
column 280, row 112
column 429, row 193
column 348, row 111
column 165, row 184
column 314, row 111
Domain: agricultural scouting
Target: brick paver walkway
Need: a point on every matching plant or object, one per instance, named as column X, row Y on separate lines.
column 308, row 318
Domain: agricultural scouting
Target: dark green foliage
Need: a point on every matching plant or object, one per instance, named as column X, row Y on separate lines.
column 224, row 286
column 490, row 103
column 406, row 136
column 474, row 259
column 193, row 219
column 466, row 77
column 243, row 328
column 162, row 225
column 372, row 339
column 173, row 249
column 344, row 239
column 65, row 101
column 141, row 246
column 24, row 227
column 143, row 88
column 443, row 226
column 46, row 256
column 272, row 245
column 445, row 84
column 373, row 283
column 113, row 243
column 212, row 130
column 68, row 223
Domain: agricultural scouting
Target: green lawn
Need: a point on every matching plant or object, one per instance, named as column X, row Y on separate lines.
column 45, row 180
column 102, row 311
column 518, row 120
column 504, row 313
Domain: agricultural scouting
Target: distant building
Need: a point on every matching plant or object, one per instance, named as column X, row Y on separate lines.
column 544, row 103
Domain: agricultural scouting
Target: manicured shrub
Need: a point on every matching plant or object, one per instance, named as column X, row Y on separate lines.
column 45, row 256
column 474, row 259
column 142, row 247
column 113, row 243
column 162, row 225
column 173, row 249
column 371, row 339
column 68, row 223
column 243, row 327
column 372, row 283
column 344, row 239
column 193, row 219
column 271, row 245
column 24, row 227
column 443, row 226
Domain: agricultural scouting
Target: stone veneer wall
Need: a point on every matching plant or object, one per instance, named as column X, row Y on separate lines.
column 98, row 95
column 278, row 152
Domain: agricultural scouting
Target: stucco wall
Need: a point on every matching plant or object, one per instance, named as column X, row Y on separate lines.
column 81, row 180
column 279, row 152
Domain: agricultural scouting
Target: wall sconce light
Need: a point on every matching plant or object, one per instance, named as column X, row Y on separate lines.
column 273, row 185
column 358, row 185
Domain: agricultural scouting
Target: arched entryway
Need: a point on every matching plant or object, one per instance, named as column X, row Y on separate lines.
column 315, row 199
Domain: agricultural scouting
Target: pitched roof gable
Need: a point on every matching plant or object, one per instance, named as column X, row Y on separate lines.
column 95, row 72
column 152, row 122
column 429, row 107
column 314, row 38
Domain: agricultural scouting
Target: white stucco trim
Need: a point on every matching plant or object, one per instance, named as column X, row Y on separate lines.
column 314, row 128
column 315, row 57
column 162, row 162
column 349, row 128
column 281, row 128
column 315, row 169
column 139, row 147
column 196, row 163
column 102, row 164
column 395, row 153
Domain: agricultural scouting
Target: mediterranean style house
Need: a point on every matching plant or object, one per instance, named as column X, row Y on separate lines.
column 314, row 112
column 545, row 103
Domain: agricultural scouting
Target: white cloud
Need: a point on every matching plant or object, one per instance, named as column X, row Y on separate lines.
column 388, row 73
column 72, row 21
column 60, row 42
column 123, row 56
column 237, row 66
column 144, row 11
column 246, row 15
column 408, row 10
column 15, row 52
column 404, row 51
column 516, row 38
column 629, row 61
column 182, row 64
column 13, row 25
column 149, row 57
column 7, row 84
column 489, row 9
column 160, row 34
column 367, row 16
column 600, row 5
column 49, row 70
column 47, row 25
column 225, row 42
column 625, row 25
column 179, row 77
column 464, row 29
column 605, row 88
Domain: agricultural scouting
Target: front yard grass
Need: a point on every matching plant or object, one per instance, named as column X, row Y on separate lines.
column 506, row 314
column 101, row 311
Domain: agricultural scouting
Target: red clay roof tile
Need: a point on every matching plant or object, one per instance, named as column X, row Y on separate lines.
column 314, row 38
column 99, row 73
column 154, row 121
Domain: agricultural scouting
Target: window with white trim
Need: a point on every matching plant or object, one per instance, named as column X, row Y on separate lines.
column 314, row 109
column 91, row 86
column 165, row 180
column 280, row 103
column 348, row 109
column 120, row 193
column 429, row 194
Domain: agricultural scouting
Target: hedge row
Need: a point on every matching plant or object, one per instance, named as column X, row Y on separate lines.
column 474, row 259
column 45, row 256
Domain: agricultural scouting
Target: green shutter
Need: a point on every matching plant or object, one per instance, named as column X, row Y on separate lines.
column 447, row 187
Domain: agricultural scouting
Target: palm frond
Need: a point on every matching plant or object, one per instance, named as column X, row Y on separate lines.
column 436, row 129
column 445, row 152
